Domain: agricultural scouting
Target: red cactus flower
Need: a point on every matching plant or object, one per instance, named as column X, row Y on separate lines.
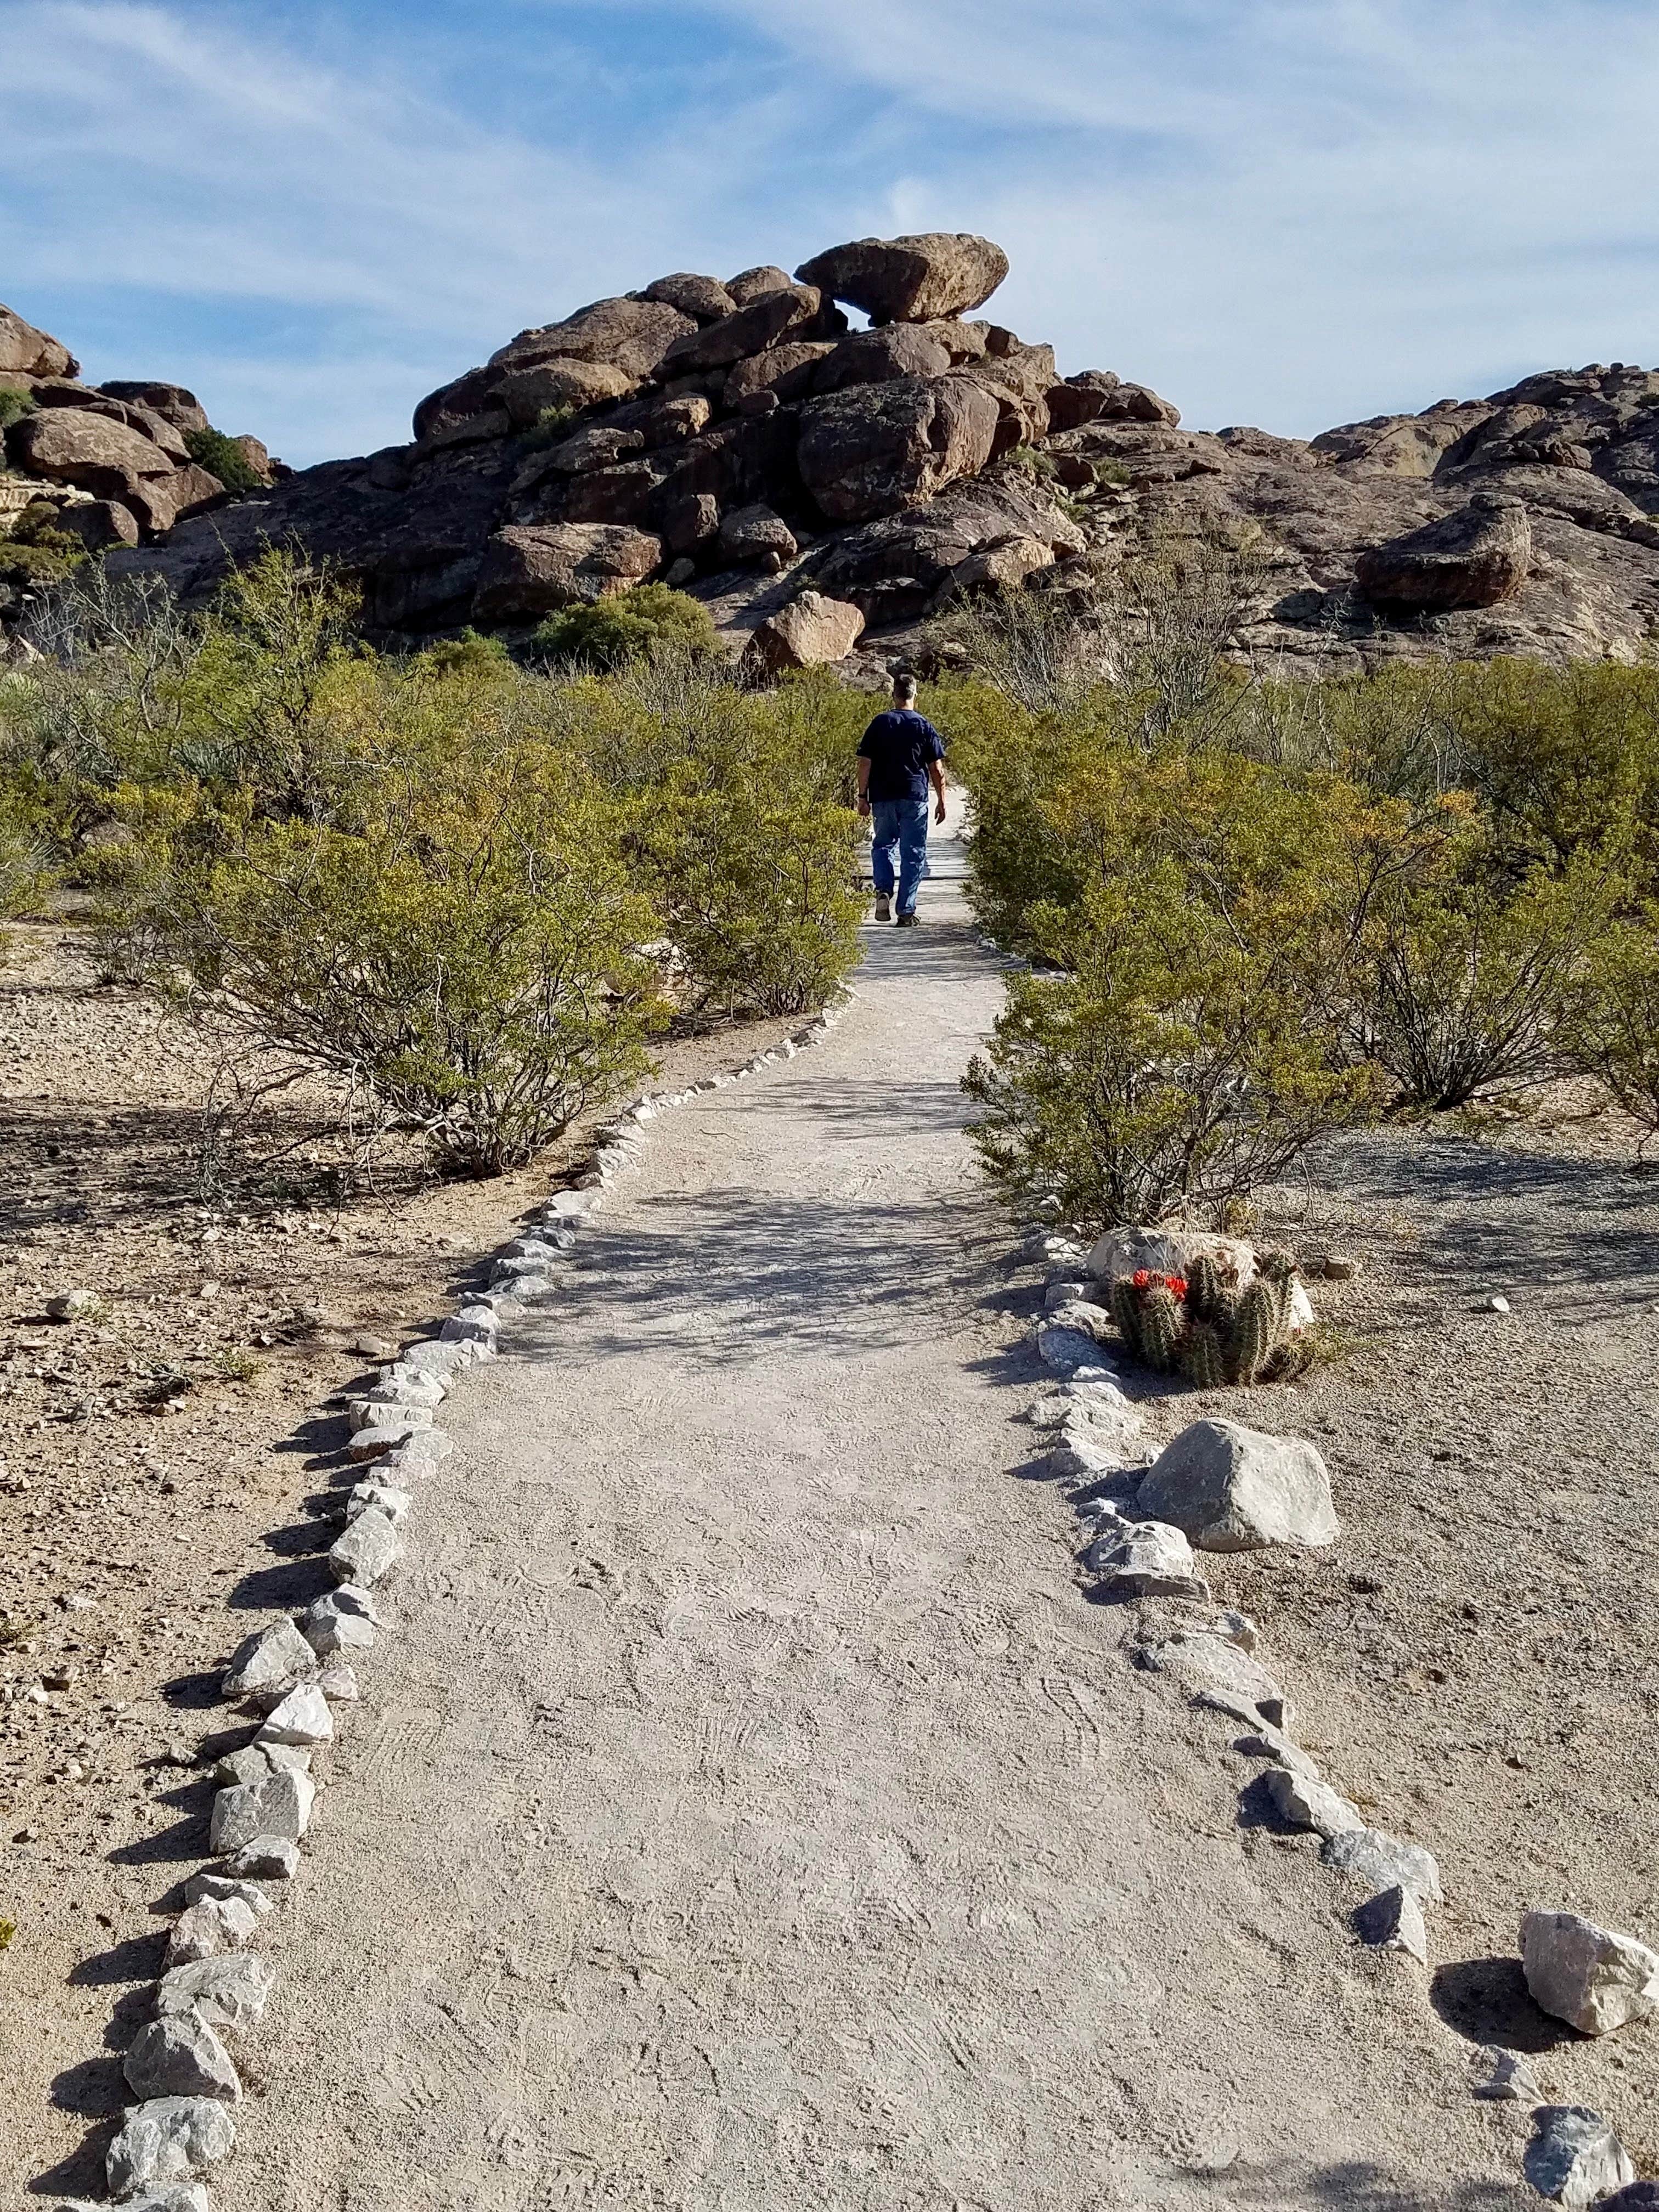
column 1178, row 1286
column 1140, row 1278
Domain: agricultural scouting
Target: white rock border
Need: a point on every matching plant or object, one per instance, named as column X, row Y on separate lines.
column 297, row 1669
column 1213, row 1660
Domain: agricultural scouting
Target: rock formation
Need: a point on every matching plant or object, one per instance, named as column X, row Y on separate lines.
column 110, row 464
column 737, row 438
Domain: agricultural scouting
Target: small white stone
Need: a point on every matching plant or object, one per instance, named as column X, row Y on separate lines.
column 205, row 1930
column 1506, row 2078
column 1393, row 1921
column 1589, row 1975
column 227, row 1889
column 1306, row 1803
column 68, row 1305
column 168, row 2140
column 302, row 1718
column 1149, row 1559
column 278, row 1806
column 269, row 1664
column 1498, row 1304
column 365, row 1553
column 338, row 1683
column 179, row 2056
column 1381, row 1861
column 267, row 1858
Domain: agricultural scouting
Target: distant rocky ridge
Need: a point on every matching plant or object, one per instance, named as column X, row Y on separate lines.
column 825, row 490
column 110, row 464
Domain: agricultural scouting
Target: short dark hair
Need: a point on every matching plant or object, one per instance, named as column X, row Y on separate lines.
column 904, row 686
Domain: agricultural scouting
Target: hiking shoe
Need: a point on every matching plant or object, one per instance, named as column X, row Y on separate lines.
column 883, row 907
column 904, row 921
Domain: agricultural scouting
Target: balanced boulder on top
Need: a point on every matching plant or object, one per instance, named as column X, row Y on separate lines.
column 909, row 280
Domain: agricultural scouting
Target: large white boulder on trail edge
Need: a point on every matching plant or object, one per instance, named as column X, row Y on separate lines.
column 1587, row 1975
column 1232, row 1489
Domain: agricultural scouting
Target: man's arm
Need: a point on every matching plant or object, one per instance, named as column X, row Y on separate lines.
column 864, row 783
column 936, row 774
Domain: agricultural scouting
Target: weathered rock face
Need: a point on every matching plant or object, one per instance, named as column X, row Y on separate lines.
column 898, row 462
column 881, row 447
column 30, row 352
column 110, row 463
column 1474, row 558
column 808, row 632
column 909, row 280
column 530, row 573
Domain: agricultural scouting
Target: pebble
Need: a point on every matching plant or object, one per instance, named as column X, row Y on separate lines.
column 1393, row 1921
column 1575, row 2157
column 229, row 1991
column 396, row 1504
column 1149, row 1559
column 169, row 2139
column 338, row 1683
column 1497, row 1303
column 1506, row 2078
column 1306, row 1802
column 179, row 2056
column 331, row 1625
column 1339, row 1266
column 374, row 1347
column 301, row 1719
column 269, row 1664
column 68, row 1304
column 227, row 1889
column 1380, row 1861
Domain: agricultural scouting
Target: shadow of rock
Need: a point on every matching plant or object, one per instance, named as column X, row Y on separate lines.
column 1488, row 2001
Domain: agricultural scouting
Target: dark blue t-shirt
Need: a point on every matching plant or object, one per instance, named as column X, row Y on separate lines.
column 899, row 746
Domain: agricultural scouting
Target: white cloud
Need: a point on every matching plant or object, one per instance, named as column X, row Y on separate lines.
column 1280, row 210
column 1285, row 211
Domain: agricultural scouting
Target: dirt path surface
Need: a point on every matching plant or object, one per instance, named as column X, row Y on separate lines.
column 748, row 1811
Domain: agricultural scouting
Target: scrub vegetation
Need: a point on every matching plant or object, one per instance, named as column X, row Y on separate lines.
column 1258, row 911
column 468, row 893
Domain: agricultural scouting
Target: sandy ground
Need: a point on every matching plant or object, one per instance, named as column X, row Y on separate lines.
column 749, row 1809
column 156, row 1457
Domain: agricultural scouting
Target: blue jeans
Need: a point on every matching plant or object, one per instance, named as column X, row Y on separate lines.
column 899, row 825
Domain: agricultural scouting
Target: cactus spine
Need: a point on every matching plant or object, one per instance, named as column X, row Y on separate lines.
column 1126, row 1312
column 1160, row 1326
column 1201, row 1356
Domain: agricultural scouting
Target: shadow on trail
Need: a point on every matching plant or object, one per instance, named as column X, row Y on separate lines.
column 718, row 1279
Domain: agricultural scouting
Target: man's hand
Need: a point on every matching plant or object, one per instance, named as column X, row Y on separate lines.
column 864, row 807
column 938, row 808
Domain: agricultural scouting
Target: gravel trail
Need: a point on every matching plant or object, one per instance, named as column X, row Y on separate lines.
column 747, row 1809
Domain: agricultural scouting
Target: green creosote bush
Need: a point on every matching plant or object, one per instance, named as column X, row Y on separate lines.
column 551, row 426
column 1613, row 1031
column 607, row 634
column 37, row 552
column 468, row 957
column 431, row 878
column 1032, row 461
column 222, row 456
column 14, row 406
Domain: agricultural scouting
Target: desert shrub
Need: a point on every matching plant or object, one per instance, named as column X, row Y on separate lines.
column 739, row 824
column 223, row 458
column 1612, row 1029
column 1032, row 461
column 1470, row 976
column 14, row 406
column 472, row 650
column 608, row 633
column 1171, row 1070
column 467, row 959
column 551, row 426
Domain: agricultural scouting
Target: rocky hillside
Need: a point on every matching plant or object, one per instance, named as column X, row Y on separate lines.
column 86, row 467
column 826, row 489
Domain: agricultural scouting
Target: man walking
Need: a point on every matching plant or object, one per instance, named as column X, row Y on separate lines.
column 899, row 756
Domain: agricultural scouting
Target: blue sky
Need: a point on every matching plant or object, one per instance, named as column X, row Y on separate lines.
column 1287, row 212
